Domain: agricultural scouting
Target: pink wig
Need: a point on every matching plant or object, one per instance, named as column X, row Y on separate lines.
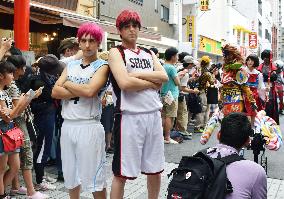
column 91, row 29
column 127, row 16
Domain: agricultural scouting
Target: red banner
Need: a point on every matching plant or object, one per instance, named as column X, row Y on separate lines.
column 252, row 40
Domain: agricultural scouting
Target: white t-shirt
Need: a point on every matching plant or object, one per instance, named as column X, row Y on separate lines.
column 66, row 60
column 184, row 82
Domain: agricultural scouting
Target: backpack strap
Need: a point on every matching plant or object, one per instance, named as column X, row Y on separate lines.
column 231, row 158
column 121, row 51
column 227, row 159
column 206, row 152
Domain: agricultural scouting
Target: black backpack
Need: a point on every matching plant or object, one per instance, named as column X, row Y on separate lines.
column 201, row 177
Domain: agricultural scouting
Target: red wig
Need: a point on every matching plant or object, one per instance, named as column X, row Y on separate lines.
column 127, row 16
column 91, row 29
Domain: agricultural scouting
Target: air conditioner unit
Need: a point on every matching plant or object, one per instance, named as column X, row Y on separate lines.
column 173, row 15
column 187, row 2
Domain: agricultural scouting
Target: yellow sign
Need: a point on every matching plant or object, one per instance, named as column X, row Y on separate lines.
column 204, row 5
column 210, row 46
column 190, row 28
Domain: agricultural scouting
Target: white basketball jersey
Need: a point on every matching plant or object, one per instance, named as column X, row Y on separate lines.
column 137, row 101
column 82, row 108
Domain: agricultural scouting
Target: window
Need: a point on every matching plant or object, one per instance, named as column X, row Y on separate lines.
column 244, row 39
column 239, row 37
column 164, row 13
column 267, row 35
column 156, row 5
column 259, row 28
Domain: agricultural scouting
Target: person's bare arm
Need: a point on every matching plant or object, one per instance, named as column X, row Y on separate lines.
column 122, row 77
column 91, row 89
column 159, row 74
column 189, row 90
column 177, row 81
column 5, row 46
column 58, row 91
column 9, row 114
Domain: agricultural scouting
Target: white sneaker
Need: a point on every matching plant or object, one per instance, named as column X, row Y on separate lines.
column 171, row 141
column 44, row 186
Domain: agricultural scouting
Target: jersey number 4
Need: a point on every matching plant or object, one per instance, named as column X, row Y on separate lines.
column 76, row 99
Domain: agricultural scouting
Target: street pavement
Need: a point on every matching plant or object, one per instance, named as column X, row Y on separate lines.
column 137, row 189
column 275, row 159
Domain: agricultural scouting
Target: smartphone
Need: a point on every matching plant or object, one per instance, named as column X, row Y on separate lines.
column 31, row 93
column 41, row 88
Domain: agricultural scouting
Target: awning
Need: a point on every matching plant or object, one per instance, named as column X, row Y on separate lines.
column 36, row 14
column 148, row 43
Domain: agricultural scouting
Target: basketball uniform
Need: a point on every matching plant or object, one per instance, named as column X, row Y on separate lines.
column 138, row 133
column 82, row 135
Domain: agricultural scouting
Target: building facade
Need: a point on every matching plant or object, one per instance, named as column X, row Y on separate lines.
column 52, row 21
column 281, row 46
column 265, row 16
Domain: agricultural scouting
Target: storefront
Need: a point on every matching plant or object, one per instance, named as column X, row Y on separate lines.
column 210, row 47
column 46, row 28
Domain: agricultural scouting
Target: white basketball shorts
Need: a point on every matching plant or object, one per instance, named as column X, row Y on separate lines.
column 138, row 144
column 83, row 155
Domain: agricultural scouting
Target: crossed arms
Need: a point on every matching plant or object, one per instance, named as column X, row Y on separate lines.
column 65, row 89
column 136, row 81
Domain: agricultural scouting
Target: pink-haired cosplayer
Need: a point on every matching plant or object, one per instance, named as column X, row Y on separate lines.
column 263, row 124
column 91, row 29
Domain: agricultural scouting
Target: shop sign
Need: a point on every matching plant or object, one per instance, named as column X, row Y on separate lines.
column 204, row 5
column 252, row 40
column 190, row 24
column 210, row 46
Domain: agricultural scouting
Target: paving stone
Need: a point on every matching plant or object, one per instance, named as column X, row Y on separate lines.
column 137, row 189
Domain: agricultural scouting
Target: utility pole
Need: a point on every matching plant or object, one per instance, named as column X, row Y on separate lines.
column 180, row 21
column 22, row 24
column 99, row 9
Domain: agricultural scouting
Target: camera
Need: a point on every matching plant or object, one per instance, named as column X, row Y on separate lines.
column 215, row 66
column 257, row 145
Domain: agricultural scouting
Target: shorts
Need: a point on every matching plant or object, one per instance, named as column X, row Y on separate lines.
column 138, row 145
column 83, row 154
column 107, row 118
column 182, row 116
column 170, row 110
column 26, row 154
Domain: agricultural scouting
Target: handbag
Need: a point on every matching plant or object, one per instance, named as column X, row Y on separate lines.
column 12, row 139
column 194, row 103
column 212, row 95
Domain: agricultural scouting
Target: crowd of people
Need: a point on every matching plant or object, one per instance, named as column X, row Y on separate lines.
column 130, row 102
